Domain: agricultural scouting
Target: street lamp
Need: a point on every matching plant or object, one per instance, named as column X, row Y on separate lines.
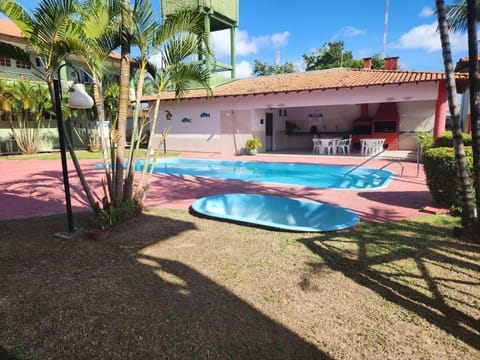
column 79, row 99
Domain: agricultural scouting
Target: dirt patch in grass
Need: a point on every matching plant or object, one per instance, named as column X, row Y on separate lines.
column 170, row 285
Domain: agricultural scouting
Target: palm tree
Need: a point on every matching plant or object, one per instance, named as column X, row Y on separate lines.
column 178, row 40
column 468, row 214
column 178, row 74
column 100, row 21
column 456, row 15
column 31, row 101
column 461, row 16
column 474, row 96
column 120, row 133
column 53, row 34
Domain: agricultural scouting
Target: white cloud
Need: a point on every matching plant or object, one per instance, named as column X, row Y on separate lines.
column 156, row 60
column 427, row 11
column 244, row 69
column 244, row 44
column 426, row 37
column 349, row 31
column 280, row 39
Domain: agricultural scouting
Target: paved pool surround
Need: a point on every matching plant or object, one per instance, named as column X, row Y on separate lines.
column 35, row 188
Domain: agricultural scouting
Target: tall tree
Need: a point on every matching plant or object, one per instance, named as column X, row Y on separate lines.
column 53, row 34
column 100, row 22
column 263, row 69
column 468, row 214
column 31, row 102
column 176, row 72
column 120, row 133
column 333, row 55
column 463, row 16
column 456, row 14
column 474, row 95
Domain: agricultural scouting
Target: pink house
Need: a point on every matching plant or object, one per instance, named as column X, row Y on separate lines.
column 284, row 111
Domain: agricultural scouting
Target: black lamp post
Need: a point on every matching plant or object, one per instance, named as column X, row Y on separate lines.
column 80, row 101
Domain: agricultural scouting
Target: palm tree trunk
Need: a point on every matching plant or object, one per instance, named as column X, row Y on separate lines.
column 468, row 214
column 98, row 96
column 144, row 181
column 123, row 104
column 135, row 139
column 472, row 22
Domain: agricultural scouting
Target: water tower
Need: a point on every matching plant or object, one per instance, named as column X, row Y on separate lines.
column 217, row 15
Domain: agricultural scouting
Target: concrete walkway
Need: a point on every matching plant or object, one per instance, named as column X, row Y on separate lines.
column 34, row 188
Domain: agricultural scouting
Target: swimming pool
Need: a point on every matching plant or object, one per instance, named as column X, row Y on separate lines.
column 310, row 175
column 275, row 212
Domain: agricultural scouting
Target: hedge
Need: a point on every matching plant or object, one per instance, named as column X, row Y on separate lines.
column 446, row 140
column 441, row 174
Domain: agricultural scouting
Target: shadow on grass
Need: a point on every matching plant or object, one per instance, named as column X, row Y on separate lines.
column 86, row 299
column 409, row 270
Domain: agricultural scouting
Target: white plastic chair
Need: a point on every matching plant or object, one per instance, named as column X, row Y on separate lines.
column 316, row 145
column 344, row 145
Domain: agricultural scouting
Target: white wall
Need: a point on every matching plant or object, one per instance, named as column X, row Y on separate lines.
column 338, row 107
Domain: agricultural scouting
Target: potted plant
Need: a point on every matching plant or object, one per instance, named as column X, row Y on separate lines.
column 252, row 145
column 102, row 224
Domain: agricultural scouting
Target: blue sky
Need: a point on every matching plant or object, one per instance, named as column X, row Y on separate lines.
column 299, row 27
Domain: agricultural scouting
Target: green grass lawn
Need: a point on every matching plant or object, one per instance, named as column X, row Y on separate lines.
column 167, row 284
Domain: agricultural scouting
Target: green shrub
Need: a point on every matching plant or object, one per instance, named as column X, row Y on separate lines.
column 107, row 218
column 440, row 171
column 446, row 140
column 426, row 140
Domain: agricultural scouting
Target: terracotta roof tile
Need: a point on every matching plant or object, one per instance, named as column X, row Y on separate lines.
column 313, row 80
column 462, row 63
column 10, row 29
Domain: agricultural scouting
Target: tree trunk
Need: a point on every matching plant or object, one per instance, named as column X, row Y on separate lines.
column 468, row 214
column 98, row 95
column 472, row 22
column 135, row 138
column 124, row 102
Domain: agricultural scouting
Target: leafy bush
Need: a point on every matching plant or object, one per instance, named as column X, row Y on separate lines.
column 426, row 139
column 253, row 143
column 441, row 173
column 107, row 218
column 446, row 140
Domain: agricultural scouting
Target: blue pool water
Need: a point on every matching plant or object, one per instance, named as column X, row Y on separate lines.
column 311, row 175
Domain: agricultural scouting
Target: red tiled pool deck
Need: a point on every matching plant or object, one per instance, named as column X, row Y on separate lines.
column 35, row 188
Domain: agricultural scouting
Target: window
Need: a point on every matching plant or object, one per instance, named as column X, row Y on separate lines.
column 85, row 77
column 38, row 62
column 23, row 65
column 4, row 61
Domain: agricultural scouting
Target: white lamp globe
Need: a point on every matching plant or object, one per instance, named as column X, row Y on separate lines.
column 79, row 99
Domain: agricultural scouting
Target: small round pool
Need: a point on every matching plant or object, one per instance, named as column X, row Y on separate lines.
column 276, row 212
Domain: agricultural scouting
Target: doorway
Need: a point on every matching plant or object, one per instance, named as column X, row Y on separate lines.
column 268, row 131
